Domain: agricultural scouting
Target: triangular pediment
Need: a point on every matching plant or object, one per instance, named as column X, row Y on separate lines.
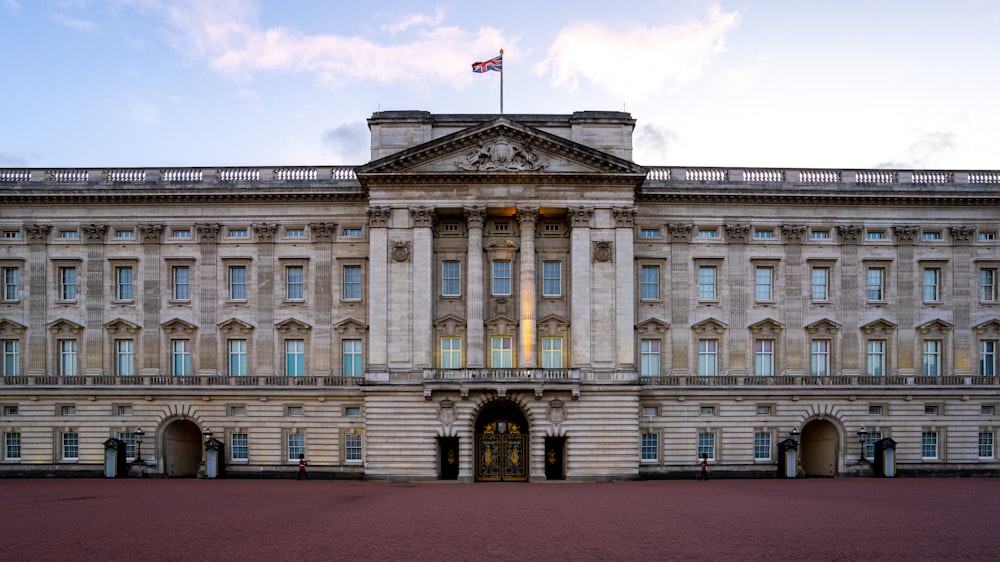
column 121, row 326
column 64, row 326
column 936, row 327
column 292, row 326
column 235, row 326
column 178, row 326
column 499, row 147
column 8, row 326
column 351, row 326
column 878, row 327
column 766, row 326
column 709, row 325
column 824, row 326
column 652, row 326
column 990, row 327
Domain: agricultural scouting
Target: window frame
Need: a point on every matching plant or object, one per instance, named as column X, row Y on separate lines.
column 124, row 358
column 649, row 447
column 932, row 360
column 649, row 282
column 708, row 289
column 875, row 289
column 238, row 284
column 931, row 289
column 295, row 289
column 451, row 358
column 124, row 283
column 240, row 355
column 709, row 355
column 876, row 358
column 501, row 282
column 930, row 445
column 552, row 280
column 68, row 283
column 239, row 441
column 758, row 445
column 11, row 350
column 295, row 357
column 176, row 284
column 763, row 357
column 987, row 287
column 10, row 276
column 68, row 360
column 819, row 291
column 12, row 451
column 505, row 353
column 451, row 281
column 353, row 448
column 552, row 358
column 352, row 289
column 649, row 359
column 182, row 369
column 353, row 359
column 707, row 444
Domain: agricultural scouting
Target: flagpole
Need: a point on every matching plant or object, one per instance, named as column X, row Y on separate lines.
column 501, row 85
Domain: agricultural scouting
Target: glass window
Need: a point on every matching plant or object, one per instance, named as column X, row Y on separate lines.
column 295, row 358
column 12, row 446
column 237, row 358
column 451, row 278
column 764, row 357
column 987, row 236
column 501, row 277
column 649, row 354
column 551, row 279
column 708, row 233
column 237, row 283
column 67, row 358
column 123, row 283
column 820, row 283
column 239, row 233
column 764, row 284
column 181, row 357
column 932, row 284
column 762, row 446
column 932, row 358
column 181, row 276
column 124, row 234
column 12, row 235
column 352, row 411
column 649, row 233
column 876, row 284
column 129, row 438
column 650, row 282
column 707, row 352
column 871, row 439
column 988, row 358
column 988, row 285
column 11, row 358
column 929, row 445
column 819, row 234
column 11, row 282
column 986, row 450
column 649, row 446
column 295, row 232
column 67, row 283
column 352, row 447
column 353, row 359
column 181, row 233
column 70, row 446
column 501, row 352
column 451, row 352
column 706, row 283
column 125, row 358
column 819, row 362
column 552, row 353
column 763, row 234
column 352, row 282
column 295, row 283
column 69, row 234
column 239, row 447
column 296, row 446
column 930, row 235
column 876, row 357
column 353, row 232
column 875, row 235
column 706, row 446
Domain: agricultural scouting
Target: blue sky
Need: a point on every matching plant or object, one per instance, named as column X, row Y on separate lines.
column 846, row 84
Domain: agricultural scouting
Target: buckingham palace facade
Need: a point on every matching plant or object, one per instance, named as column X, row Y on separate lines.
column 499, row 297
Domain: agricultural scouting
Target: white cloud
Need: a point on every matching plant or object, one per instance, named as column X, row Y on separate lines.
column 412, row 20
column 636, row 63
column 76, row 23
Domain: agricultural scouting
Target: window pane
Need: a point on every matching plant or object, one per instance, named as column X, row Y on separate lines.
column 875, row 284
column 67, row 358
column 706, row 446
column 987, row 285
column 182, row 280
column 764, row 357
column 820, row 283
column 11, row 358
column 932, row 358
column 649, row 351
column 238, row 283
column 11, row 280
column 876, row 358
column 501, row 352
column 762, row 446
column 239, row 446
column 294, row 282
column 707, row 350
column 706, row 283
column 820, row 359
column 237, row 358
column 501, row 277
column 551, row 279
column 987, row 358
column 353, row 366
column 649, row 447
column 650, row 282
column 451, row 353
column 352, row 282
column 70, row 446
column 451, row 278
column 932, row 282
column 296, row 446
column 181, row 350
column 552, row 353
column 124, row 358
column 763, row 286
column 295, row 358
column 124, row 283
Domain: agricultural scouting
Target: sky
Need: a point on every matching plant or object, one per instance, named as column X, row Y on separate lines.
column 909, row 84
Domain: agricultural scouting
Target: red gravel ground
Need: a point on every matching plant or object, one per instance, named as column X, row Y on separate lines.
column 719, row 520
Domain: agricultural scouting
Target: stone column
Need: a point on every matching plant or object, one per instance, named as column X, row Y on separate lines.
column 36, row 352
column 907, row 298
column 795, row 301
column 680, row 297
column 625, row 288
column 422, row 286
column 740, row 285
column 526, row 219
column 378, row 285
column 964, row 297
column 475, row 325
column 322, row 352
column 580, row 298
column 93, row 342
column 151, row 237
column 264, row 335
column 851, row 299
column 210, row 284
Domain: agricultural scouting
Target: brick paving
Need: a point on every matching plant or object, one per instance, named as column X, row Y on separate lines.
column 249, row 520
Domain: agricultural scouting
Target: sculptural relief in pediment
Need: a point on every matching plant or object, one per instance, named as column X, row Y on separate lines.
column 500, row 155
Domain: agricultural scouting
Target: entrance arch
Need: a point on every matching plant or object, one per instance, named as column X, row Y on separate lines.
column 818, row 448
column 501, row 443
column 182, row 450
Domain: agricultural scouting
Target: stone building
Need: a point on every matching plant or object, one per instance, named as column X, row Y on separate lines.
column 499, row 298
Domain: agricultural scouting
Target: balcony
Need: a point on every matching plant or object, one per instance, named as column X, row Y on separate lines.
column 504, row 375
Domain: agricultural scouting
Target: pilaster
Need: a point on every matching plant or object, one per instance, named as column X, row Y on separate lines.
column 422, row 286
column 475, row 325
column 580, row 321
column 38, row 237
column 850, row 299
column 264, row 335
column 625, row 287
column 680, row 297
column 378, row 285
column 322, row 354
column 527, row 218
column 963, row 298
column 795, row 300
column 209, row 282
column 93, row 338
column 150, row 235
column 906, row 297
column 739, row 284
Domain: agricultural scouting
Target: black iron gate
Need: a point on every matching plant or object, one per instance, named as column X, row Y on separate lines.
column 501, row 454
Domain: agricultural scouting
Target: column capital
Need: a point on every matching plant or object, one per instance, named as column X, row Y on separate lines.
column 475, row 216
column 38, row 232
column 265, row 232
column 680, row 232
column 962, row 235
column 150, row 233
column 323, row 231
column 849, row 233
column 737, row 233
column 905, row 235
column 208, row 232
column 793, row 233
column 526, row 217
column 423, row 217
column 378, row 217
column 580, row 216
column 94, row 233
column 624, row 216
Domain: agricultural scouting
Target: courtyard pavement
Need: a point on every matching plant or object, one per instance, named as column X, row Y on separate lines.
column 718, row 520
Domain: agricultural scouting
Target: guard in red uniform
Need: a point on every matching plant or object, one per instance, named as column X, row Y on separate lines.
column 302, row 467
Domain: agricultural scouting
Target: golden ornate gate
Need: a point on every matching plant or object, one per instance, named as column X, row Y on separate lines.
column 501, row 453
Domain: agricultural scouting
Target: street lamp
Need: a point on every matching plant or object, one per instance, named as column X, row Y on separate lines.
column 139, row 434
column 795, row 434
column 862, row 438
column 207, row 434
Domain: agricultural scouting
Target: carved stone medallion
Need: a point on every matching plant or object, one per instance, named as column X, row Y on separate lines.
column 400, row 250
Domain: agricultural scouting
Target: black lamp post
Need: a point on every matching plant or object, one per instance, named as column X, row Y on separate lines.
column 207, row 434
column 795, row 434
column 139, row 434
column 862, row 438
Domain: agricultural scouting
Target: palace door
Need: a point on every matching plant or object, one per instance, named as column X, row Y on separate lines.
column 501, row 444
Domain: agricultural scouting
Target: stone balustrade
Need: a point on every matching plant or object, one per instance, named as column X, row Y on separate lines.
column 169, row 380
column 820, row 176
column 503, row 375
column 176, row 175
column 813, row 380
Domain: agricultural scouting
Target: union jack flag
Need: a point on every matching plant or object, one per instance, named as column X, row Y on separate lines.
column 495, row 63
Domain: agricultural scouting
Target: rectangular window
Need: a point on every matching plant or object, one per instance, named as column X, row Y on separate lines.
column 123, row 283
column 70, row 446
column 352, row 447
column 129, row 438
column 875, row 235
column 819, row 234
column 12, row 235
column 237, row 283
column 67, row 358
column 295, row 358
column 932, row 410
column 764, row 357
column 352, row 282
column 876, row 358
column 124, row 409
column 819, row 361
column 452, row 227
column 11, row 358
column 237, row 410
column 67, row 283
column 67, row 410
column 239, row 233
column 932, row 358
column 875, row 410
column 552, row 353
column 763, row 234
column 11, row 284
column 551, row 278
column 451, row 278
column 12, row 446
column 295, row 232
column 295, row 278
column 987, row 410
column 871, row 439
column 296, row 446
column 876, row 284
column 763, row 410
column 181, row 278
column 706, row 283
column 126, row 234
column 125, row 358
column 649, row 233
column 988, row 358
column 821, row 283
column 650, row 282
column 988, row 285
column 762, row 446
column 649, row 358
column 707, row 353
column 987, row 236
column 501, row 352
column 764, row 284
column 353, row 360
column 237, row 358
column 929, row 445
column 649, row 411
column 353, row 232
column 932, row 284
column 293, row 410
column 239, row 447
column 706, row 411
column 180, row 363
column 69, row 235
column 650, row 447
column 451, row 352
column 930, row 235
column 180, row 233
column 706, row 446
column 501, row 277
column 708, row 233
column 986, row 450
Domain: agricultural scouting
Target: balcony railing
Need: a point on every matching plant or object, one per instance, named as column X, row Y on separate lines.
column 503, row 375
column 169, row 380
column 798, row 176
column 812, row 380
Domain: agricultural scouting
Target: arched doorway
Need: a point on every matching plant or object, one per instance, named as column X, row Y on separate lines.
column 818, row 448
column 501, row 443
column 182, row 451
